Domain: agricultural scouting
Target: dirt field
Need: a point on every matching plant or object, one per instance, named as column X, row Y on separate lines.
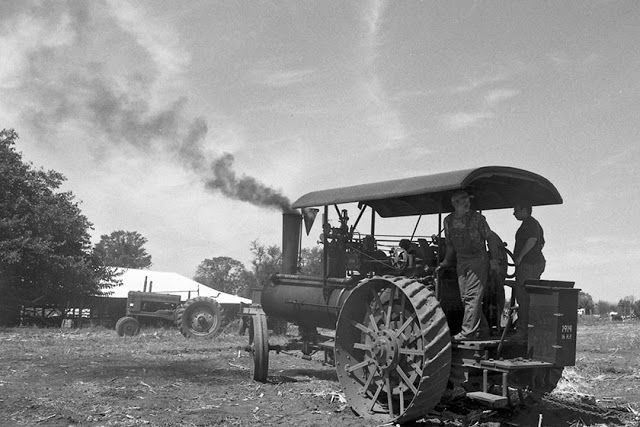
column 51, row 377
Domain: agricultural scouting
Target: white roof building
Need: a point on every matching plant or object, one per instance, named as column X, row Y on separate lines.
column 167, row 283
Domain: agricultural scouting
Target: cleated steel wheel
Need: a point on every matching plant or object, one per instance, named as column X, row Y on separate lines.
column 199, row 318
column 392, row 349
column 259, row 344
column 127, row 326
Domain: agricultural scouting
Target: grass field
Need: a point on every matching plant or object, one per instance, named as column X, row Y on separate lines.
column 53, row 377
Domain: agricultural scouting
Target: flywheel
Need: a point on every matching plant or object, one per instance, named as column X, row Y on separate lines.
column 392, row 349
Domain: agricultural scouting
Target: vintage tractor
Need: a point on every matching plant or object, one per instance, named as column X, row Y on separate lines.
column 394, row 314
column 197, row 317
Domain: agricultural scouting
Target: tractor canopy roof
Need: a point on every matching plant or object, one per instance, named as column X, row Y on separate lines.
column 492, row 187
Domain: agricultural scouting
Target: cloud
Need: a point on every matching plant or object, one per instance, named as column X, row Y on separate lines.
column 589, row 252
column 623, row 160
column 379, row 111
column 491, row 98
column 373, row 17
column 157, row 39
column 560, row 59
column 463, row 120
column 479, row 82
column 381, row 116
column 282, row 78
column 24, row 35
column 495, row 97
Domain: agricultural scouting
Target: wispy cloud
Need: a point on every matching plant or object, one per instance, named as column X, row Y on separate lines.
column 380, row 112
column 281, row 78
column 495, row 97
column 158, row 39
column 479, row 82
column 491, row 98
column 382, row 117
column 560, row 59
column 624, row 160
column 463, row 120
column 373, row 18
column 588, row 252
column 22, row 36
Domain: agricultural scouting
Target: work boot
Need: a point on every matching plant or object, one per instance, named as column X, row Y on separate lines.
column 460, row 337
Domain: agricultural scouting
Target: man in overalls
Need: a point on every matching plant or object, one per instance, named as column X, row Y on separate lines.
column 466, row 232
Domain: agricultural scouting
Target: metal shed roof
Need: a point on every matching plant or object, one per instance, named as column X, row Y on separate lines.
column 168, row 283
column 493, row 187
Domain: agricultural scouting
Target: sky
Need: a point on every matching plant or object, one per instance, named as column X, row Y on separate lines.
column 164, row 115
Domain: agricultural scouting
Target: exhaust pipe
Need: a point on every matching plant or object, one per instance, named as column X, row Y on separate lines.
column 291, row 228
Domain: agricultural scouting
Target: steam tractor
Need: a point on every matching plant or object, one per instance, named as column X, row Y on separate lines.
column 384, row 316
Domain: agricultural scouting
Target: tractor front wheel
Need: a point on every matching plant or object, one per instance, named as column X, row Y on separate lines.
column 199, row 318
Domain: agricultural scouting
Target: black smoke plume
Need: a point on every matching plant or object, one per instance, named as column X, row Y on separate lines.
column 128, row 119
column 246, row 188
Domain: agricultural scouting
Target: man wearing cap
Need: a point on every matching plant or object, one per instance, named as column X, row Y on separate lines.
column 466, row 232
column 529, row 260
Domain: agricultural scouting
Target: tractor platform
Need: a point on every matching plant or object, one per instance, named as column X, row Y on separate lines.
column 504, row 367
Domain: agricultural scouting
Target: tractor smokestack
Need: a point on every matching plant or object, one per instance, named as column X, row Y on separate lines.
column 291, row 227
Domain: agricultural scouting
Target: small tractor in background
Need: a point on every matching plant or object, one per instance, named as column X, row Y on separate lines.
column 384, row 315
column 198, row 317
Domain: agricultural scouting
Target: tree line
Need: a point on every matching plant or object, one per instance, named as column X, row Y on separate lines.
column 627, row 306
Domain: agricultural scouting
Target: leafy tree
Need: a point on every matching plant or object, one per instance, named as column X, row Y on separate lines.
column 45, row 249
column 311, row 261
column 224, row 274
column 585, row 301
column 604, row 308
column 626, row 305
column 267, row 260
column 636, row 308
column 123, row 249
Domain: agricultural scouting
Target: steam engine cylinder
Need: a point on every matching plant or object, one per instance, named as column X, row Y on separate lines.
column 301, row 300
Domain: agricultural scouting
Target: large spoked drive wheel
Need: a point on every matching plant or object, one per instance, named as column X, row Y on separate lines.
column 127, row 326
column 199, row 318
column 259, row 343
column 392, row 349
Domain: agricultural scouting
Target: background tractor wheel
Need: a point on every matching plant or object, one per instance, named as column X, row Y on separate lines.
column 392, row 349
column 127, row 326
column 259, row 342
column 199, row 318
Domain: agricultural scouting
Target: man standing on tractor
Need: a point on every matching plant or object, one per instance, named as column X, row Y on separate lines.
column 530, row 263
column 467, row 231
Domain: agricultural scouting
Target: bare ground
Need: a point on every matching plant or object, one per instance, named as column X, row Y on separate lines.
column 91, row 377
